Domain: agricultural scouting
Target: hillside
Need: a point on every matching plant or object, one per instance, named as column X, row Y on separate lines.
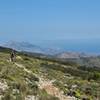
column 36, row 78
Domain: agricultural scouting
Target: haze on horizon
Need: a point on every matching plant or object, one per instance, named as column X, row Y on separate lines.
column 70, row 24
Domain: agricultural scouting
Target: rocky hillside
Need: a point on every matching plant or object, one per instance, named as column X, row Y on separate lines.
column 34, row 78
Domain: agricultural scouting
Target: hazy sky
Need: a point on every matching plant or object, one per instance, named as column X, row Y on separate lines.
column 57, row 20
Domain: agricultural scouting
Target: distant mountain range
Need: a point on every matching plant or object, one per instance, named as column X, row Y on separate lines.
column 58, row 53
column 28, row 47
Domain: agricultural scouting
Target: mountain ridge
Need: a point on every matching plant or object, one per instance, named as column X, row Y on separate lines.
column 28, row 47
column 58, row 53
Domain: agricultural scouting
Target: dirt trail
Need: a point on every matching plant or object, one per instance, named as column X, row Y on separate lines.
column 52, row 90
column 47, row 85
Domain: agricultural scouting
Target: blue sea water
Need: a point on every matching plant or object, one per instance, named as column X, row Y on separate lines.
column 77, row 45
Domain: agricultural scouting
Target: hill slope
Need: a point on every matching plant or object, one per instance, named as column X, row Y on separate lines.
column 31, row 78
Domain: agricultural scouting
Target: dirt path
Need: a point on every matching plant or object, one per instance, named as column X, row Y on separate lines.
column 52, row 90
column 47, row 85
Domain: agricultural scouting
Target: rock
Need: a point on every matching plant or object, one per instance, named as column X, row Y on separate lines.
column 30, row 97
column 3, row 86
column 74, row 86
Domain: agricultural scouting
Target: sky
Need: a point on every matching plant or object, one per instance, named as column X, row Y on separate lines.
column 74, row 24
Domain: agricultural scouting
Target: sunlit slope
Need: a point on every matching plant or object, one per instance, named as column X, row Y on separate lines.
column 31, row 78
